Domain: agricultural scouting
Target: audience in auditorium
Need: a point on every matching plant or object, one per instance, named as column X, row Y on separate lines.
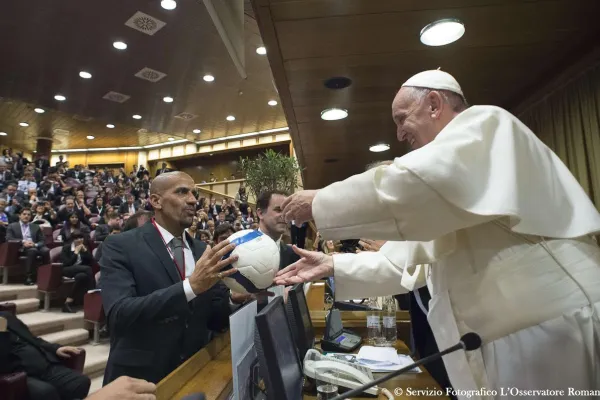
column 77, row 261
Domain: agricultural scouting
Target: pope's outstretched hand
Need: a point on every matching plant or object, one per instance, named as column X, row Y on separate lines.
column 313, row 266
column 298, row 207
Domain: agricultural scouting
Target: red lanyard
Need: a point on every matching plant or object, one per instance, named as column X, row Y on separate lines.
column 180, row 270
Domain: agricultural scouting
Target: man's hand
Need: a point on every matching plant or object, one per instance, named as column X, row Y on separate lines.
column 208, row 267
column 3, row 324
column 126, row 388
column 313, row 266
column 298, row 207
column 28, row 243
column 371, row 245
column 67, row 351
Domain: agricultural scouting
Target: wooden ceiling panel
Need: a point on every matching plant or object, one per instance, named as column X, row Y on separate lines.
column 399, row 32
column 51, row 42
column 510, row 48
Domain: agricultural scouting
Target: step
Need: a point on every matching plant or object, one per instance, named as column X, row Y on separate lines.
column 43, row 322
column 96, row 384
column 24, row 305
column 96, row 357
column 70, row 337
column 18, row 291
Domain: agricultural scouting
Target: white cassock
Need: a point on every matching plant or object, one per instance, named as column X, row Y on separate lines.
column 498, row 228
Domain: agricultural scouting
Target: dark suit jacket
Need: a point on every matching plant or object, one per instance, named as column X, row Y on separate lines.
column 117, row 201
column 19, row 362
column 68, row 257
column 153, row 327
column 13, row 232
column 124, row 208
column 286, row 255
column 102, row 232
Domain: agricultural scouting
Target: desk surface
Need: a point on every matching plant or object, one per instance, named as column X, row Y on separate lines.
column 214, row 378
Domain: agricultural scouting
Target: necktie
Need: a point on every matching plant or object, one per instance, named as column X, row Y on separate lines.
column 176, row 246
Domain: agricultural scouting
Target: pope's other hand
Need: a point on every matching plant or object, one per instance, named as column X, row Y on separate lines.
column 298, row 207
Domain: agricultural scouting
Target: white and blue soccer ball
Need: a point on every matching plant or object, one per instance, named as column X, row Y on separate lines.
column 257, row 264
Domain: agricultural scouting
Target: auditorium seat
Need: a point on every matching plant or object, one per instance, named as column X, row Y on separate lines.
column 9, row 258
column 50, row 278
column 93, row 312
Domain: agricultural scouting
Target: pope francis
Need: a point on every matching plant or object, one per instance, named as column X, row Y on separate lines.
column 491, row 220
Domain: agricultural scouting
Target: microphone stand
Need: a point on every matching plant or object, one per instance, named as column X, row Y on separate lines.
column 433, row 357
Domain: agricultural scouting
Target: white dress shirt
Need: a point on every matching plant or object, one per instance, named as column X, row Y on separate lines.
column 190, row 263
column 25, row 231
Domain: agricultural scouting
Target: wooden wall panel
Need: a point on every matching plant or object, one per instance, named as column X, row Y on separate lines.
column 129, row 158
column 221, row 165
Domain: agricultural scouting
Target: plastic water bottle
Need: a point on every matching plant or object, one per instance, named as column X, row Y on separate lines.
column 373, row 322
column 389, row 333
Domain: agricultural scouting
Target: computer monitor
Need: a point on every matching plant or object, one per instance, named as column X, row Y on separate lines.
column 278, row 360
column 300, row 322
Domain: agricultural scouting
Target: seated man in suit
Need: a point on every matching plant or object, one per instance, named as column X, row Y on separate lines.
column 103, row 230
column 272, row 224
column 129, row 207
column 47, row 378
column 32, row 242
column 157, row 287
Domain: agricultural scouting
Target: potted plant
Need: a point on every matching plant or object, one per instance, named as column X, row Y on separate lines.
column 270, row 171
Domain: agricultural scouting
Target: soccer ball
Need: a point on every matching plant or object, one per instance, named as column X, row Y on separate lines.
column 257, row 264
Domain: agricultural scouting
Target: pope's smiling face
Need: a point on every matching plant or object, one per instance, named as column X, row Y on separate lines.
column 417, row 116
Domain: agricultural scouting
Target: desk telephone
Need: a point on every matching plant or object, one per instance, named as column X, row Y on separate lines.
column 341, row 373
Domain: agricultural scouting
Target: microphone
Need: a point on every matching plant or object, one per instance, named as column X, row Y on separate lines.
column 468, row 342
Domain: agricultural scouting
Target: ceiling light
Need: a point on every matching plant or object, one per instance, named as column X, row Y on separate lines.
column 333, row 114
column 60, row 97
column 137, row 116
column 39, row 110
column 230, row 118
column 171, row 139
column 196, row 131
column 378, row 148
column 208, row 78
column 90, row 137
column 261, row 50
column 168, row 4
column 442, row 32
column 85, row 75
column 23, row 124
column 120, row 45
column 168, row 99
column 272, row 103
column 110, row 126
column 3, row 133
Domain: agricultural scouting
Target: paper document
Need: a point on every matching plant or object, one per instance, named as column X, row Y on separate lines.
column 383, row 359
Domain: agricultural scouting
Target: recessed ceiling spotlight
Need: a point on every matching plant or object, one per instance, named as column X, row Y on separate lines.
column 39, row 110
column 24, row 124
column 120, row 45
column 60, row 97
column 110, row 126
column 208, row 78
column 168, row 4
column 168, row 99
column 85, row 75
column 262, row 50
column 442, row 32
column 378, row 148
column 3, row 133
column 333, row 114
column 90, row 137
column 272, row 103
column 230, row 118
column 171, row 139
column 137, row 116
column 196, row 131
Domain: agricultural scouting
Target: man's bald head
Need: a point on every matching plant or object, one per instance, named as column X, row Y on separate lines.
column 166, row 180
column 173, row 201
